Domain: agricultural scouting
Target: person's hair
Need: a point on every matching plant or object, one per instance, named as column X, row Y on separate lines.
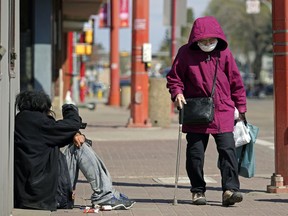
column 34, row 101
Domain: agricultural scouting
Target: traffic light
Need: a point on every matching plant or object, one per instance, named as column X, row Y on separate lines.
column 85, row 46
column 89, row 36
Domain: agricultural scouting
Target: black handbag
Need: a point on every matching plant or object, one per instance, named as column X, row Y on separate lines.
column 200, row 110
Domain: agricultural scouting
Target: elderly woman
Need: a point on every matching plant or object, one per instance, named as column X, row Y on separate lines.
column 192, row 76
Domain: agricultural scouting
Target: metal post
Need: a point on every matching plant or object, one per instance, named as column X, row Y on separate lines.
column 279, row 179
column 114, row 95
column 139, row 78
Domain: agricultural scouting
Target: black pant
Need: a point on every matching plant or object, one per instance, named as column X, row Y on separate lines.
column 195, row 153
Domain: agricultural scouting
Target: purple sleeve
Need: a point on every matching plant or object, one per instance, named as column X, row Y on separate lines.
column 175, row 77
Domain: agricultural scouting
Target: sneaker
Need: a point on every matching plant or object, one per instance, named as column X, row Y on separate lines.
column 124, row 197
column 117, row 204
column 231, row 197
column 198, row 198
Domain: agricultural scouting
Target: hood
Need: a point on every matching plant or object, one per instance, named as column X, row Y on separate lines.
column 207, row 27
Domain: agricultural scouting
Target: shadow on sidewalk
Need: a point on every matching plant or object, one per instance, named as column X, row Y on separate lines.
column 107, row 125
column 208, row 188
column 273, row 200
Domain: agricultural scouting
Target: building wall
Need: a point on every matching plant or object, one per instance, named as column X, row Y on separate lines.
column 42, row 46
column 9, row 87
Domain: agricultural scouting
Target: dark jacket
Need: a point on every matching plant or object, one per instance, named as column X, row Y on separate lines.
column 37, row 141
column 193, row 71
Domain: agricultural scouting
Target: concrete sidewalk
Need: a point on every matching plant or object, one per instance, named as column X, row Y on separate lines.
column 142, row 164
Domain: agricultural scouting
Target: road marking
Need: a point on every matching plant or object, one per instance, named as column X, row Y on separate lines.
column 181, row 180
column 265, row 143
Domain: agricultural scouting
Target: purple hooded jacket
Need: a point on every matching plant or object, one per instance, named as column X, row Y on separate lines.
column 193, row 71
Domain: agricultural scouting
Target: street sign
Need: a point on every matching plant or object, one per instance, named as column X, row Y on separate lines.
column 252, row 6
column 147, row 52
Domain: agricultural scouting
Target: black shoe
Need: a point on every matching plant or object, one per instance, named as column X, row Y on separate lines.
column 231, row 197
column 117, row 204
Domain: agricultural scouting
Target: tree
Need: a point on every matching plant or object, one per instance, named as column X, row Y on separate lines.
column 246, row 33
column 165, row 48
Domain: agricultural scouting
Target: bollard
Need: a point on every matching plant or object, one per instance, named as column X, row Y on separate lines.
column 159, row 102
column 277, row 185
column 125, row 96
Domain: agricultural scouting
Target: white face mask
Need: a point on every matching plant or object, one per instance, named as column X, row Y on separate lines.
column 208, row 48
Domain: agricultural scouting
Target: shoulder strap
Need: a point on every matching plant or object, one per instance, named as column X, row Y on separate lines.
column 215, row 76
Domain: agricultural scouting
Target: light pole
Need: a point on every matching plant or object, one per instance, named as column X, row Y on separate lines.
column 279, row 179
column 139, row 78
column 114, row 94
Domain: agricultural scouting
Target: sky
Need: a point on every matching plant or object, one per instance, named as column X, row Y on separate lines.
column 157, row 29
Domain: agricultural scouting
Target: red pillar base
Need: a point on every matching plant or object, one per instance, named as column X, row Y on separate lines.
column 277, row 185
column 145, row 124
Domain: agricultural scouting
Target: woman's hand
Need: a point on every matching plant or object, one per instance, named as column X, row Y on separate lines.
column 78, row 140
column 242, row 117
column 179, row 101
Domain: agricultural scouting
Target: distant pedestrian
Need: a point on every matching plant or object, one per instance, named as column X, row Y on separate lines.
column 192, row 76
column 38, row 139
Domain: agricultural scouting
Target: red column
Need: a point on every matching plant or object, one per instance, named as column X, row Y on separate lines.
column 173, row 29
column 82, row 85
column 82, row 81
column 139, row 77
column 173, row 39
column 114, row 95
column 279, row 180
column 69, row 62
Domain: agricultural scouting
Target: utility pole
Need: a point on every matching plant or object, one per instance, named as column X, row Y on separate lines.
column 173, row 29
column 82, row 84
column 173, row 39
column 279, row 179
column 114, row 95
column 69, row 64
column 139, row 77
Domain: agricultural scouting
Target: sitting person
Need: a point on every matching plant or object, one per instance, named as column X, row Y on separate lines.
column 38, row 139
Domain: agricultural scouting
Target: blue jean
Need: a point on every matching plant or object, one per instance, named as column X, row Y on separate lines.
column 94, row 170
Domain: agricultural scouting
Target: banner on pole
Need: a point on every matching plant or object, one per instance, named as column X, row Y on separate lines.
column 124, row 13
column 104, row 16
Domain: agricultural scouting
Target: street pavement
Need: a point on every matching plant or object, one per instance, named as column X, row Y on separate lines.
column 142, row 164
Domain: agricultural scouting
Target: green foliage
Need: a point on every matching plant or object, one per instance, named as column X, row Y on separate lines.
column 165, row 48
column 246, row 33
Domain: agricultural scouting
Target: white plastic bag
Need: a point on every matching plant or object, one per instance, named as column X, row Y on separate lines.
column 241, row 134
column 236, row 114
